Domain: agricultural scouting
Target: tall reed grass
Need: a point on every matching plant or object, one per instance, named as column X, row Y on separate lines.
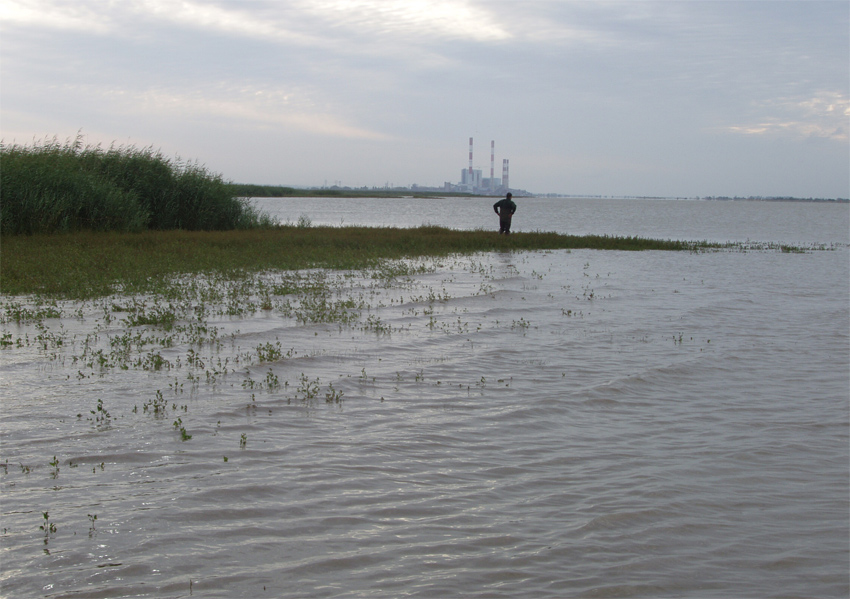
column 51, row 187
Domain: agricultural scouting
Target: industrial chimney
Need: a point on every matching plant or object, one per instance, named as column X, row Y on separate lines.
column 470, row 160
column 505, row 167
column 492, row 160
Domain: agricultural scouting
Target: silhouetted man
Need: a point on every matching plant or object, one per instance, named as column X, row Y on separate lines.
column 505, row 209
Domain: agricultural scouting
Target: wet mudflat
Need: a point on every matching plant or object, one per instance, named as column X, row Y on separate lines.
column 552, row 424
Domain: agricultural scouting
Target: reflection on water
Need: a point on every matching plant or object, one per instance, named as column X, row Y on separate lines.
column 540, row 424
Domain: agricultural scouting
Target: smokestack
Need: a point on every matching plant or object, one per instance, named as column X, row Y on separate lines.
column 505, row 167
column 492, row 160
column 470, row 160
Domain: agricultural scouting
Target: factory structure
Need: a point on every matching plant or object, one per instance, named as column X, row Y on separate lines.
column 473, row 181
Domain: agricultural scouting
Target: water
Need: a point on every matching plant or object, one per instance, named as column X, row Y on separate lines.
column 546, row 424
column 696, row 220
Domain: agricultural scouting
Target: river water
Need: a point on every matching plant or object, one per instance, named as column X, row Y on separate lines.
column 532, row 424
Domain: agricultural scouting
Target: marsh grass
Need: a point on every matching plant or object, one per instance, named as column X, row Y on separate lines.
column 89, row 264
column 52, row 187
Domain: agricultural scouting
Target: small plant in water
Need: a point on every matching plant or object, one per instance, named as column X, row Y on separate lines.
column 47, row 526
column 178, row 424
column 243, row 441
column 309, row 389
column 272, row 381
column 333, row 395
column 157, row 406
column 269, row 352
column 101, row 414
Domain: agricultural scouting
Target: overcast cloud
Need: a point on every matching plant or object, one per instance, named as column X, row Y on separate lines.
column 612, row 98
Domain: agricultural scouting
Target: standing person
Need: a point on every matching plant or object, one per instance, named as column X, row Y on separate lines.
column 505, row 209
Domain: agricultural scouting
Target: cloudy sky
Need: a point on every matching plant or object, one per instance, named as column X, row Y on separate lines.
column 672, row 98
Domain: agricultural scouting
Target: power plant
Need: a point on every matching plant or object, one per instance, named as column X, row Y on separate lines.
column 471, row 180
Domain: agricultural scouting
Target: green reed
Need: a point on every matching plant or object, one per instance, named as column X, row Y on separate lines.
column 52, row 187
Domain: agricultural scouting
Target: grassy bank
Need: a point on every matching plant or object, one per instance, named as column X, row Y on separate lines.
column 51, row 187
column 90, row 264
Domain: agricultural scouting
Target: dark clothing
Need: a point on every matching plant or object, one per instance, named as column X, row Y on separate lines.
column 505, row 209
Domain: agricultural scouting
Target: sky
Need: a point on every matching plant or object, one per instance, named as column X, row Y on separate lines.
column 671, row 99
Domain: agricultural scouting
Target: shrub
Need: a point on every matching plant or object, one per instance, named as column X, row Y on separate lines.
column 50, row 187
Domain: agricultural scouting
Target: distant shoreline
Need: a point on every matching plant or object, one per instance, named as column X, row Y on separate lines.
column 277, row 191
column 778, row 199
column 247, row 190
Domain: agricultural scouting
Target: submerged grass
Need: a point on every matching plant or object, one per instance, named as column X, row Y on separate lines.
column 88, row 264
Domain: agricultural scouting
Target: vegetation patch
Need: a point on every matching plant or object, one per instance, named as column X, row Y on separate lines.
column 86, row 264
column 51, row 187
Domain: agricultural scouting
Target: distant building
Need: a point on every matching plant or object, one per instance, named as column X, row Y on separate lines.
column 471, row 182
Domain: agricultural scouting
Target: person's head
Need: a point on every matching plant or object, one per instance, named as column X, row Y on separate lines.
column 510, row 195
